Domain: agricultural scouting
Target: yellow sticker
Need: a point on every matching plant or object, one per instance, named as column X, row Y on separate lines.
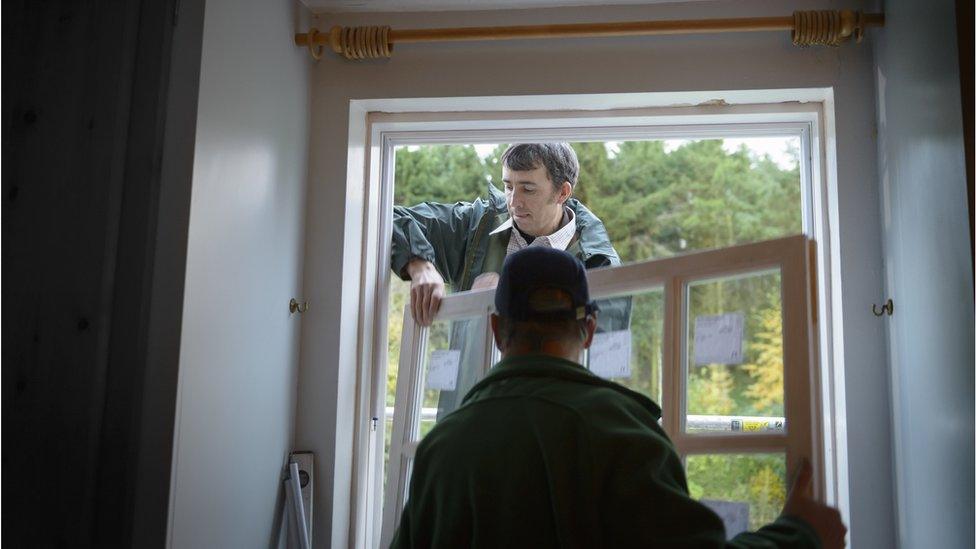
column 755, row 426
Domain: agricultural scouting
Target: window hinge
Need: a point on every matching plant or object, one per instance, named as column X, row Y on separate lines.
column 372, row 424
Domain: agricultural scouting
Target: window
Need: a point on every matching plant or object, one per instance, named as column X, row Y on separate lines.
column 765, row 285
column 718, row 405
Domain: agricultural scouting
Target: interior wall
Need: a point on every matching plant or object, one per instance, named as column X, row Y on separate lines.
column 239, row 355
column 928, row 271
column 608, row 65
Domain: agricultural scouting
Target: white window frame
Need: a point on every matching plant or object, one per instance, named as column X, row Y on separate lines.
column 459, row 120
column 790, row 256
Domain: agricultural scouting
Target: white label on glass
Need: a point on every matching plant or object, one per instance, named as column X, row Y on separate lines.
column 735, row 515
column 610, row 354
column 718, row 339
column 442, row 371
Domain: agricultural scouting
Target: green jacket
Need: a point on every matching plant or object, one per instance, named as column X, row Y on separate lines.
column 545, row 454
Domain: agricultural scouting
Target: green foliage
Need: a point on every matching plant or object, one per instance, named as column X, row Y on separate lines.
column 399, row 297
column 766, row 369
column 710, row 391
column 759, row 479
column 493, row 163
column 438, row 174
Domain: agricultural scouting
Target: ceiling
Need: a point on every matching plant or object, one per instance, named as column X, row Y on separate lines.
column 339, row 6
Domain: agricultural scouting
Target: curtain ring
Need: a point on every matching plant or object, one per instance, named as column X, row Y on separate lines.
column 315, row 51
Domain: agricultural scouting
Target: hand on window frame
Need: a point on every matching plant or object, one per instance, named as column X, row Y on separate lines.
column 426, row 290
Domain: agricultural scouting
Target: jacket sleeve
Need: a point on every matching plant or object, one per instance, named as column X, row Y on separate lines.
column 615, row 312
column 435, row 232
column 646, row 502
column 403, row 538
column 786, row 531
column 599, row 252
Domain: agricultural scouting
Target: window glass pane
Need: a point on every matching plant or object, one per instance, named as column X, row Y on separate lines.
column 735, row 354
column 657, row 197
column 640, row 368
column 453, row 363
column 747, row 490
column 457, row 348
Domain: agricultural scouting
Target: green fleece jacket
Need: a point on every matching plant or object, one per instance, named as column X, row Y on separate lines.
column 543, row 453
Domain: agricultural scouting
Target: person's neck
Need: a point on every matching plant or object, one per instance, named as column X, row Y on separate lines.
column 559, row 349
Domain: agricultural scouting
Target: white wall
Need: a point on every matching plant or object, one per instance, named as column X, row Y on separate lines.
column 928, row 272
column 611, row 65
column 239, row 355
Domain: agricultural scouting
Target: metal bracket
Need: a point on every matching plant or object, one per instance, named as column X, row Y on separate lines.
column 295, row 307
column 888, row 307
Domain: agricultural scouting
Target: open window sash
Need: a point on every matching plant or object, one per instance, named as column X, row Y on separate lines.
column 693, row 286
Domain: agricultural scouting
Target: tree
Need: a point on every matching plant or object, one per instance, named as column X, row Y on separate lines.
column 765, row 388
column 493, row 163
column 445, row 173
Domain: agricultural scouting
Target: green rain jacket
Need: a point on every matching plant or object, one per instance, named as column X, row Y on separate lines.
column 543, row 453
column 456, row 239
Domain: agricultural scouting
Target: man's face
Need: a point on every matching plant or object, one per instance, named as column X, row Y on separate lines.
column 533, row 202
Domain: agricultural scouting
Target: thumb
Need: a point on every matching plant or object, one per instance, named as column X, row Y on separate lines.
column 802, row 480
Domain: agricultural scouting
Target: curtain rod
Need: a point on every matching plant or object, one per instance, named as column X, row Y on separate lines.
column 808, row 28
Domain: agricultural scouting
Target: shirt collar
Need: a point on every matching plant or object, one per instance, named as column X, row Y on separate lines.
column 508, row 224
column 559, row 239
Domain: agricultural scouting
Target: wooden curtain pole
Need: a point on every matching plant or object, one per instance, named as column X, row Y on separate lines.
column 808, row 28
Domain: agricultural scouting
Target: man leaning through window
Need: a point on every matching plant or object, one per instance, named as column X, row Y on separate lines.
column 543, row 453
column 464, row 245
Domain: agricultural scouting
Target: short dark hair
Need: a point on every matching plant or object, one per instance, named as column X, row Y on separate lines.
column 559, row 160
column 534, row 333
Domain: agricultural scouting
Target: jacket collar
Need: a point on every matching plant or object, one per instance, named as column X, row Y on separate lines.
column 547, row 366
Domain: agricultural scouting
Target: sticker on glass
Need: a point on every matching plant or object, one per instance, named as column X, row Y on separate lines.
column 442, row 370
column 718, row 339
column 610, row 354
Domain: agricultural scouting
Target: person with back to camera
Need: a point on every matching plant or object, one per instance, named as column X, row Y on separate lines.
column 543, row 453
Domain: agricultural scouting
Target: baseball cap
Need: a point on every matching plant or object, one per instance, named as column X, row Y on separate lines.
column 539, row 283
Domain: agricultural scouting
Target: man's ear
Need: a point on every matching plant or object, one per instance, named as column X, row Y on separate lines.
column 495, row 333
column 565, row 191
column 590, row 324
